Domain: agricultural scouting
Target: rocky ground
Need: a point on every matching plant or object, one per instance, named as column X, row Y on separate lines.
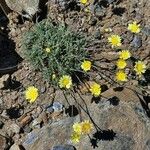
column 122, row 113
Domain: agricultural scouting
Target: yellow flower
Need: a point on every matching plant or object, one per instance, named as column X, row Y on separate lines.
column 83, row 1
column 124, row 54
column 48, row 50
column 121, row 64
column 65, row 82
column 77, row 128
column 95, row 89
column 134, row 27
column 31, row 94
column 86, row 65
column 75, row 137
column 121, row 76
column 140, row 67
column 86, row 127
column 115, row 40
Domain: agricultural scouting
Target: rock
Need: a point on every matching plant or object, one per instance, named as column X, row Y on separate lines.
column 1, row 124
column 97, row 35
column 49, row 135
column 15, row 147
column 137, row 42
column 57, row 106
column 27, row 129
column 3, row 142
column 146, row 31
column 15, row 128
column 43, row 89
column 27, row 8
column 63, row 147
column 25, row 121
column 4, row 114
column 4, row 81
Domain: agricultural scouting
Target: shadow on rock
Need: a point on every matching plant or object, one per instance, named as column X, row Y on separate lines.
column 104, row 135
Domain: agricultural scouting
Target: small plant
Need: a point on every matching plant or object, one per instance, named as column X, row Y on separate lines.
column 54, row 50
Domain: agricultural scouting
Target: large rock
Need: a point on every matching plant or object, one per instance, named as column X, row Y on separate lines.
column 26, row 7
column 121, row 122
column 49, row 136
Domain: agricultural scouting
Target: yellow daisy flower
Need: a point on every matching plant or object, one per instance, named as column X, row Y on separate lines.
column 65, row 82
column 95, row 89
column 115, row 40
column 124, row 54
column 75, row 137
column 83, row 1
column 134, row 27
column 121, row 64
column 87, row 126
column 121, row 76
column 31, row 94
column 48, row 50
column 77, row 128
column 140, row 67
column 86, row 65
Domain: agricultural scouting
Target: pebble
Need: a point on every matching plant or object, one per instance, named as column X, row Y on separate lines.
column 43, row 89
column 110, row 1
column 27, row 129
column 146, row 31
column 25, row 120
column 137, row 41
column 63, row 147
column 57, row 106
column 97, row 35
column 15, row 128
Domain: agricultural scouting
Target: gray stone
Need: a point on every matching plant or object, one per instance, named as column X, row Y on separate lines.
column 26, row 7
column 57, row 106
column 146, row 31
column 137, row 41
column 63, row 147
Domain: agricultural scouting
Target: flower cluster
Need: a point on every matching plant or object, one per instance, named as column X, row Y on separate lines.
column 80, row 129
column 121, row 64
column 115, row 41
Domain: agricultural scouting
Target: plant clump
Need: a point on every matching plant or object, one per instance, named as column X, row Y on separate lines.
column 55, row 51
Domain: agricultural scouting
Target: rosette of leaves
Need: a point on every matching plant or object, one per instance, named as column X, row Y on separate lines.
column 67, row 50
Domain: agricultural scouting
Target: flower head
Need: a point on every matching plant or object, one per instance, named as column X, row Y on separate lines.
column 115, row 40
column 95, row 89
column 31, row 94
column 134, row 27
column 83, row 1
column 121, row 76
column 75, row 137
column 124, row 54
column 77, row 128
column 65, row 82
column 48, row 50
column 86, row 65
column 87, row 126
column 140, row 67
column 121, row 64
